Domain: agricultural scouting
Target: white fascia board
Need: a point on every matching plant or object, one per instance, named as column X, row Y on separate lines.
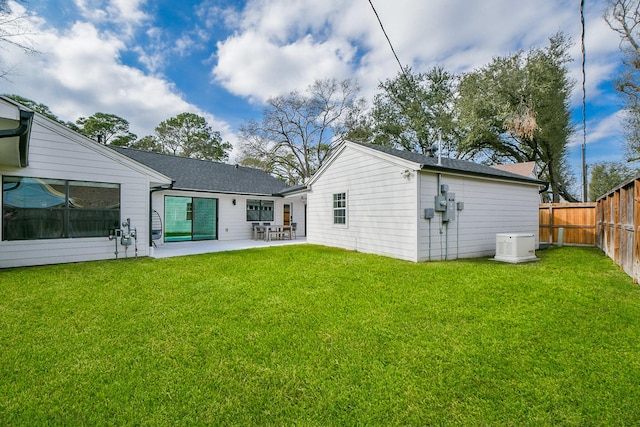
column 374, row 153
column 407, row 164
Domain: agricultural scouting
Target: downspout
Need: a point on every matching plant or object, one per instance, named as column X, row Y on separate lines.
column 446, row 237
column 545, row 189
column 153, row 190
column 23, row 131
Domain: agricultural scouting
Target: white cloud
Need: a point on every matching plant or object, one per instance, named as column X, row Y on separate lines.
column 125, row 14
column 81, row 74
column 277, row 45
column 253, row 67
column 271, row 47
column 608, row 130
column 273, row 40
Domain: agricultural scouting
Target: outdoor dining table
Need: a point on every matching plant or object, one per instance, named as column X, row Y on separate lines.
column 279, row 230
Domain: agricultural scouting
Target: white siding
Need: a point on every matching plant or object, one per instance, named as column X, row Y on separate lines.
column 58, row 153
column 232, row 219
column 490, row 207
column 385, row 208
column 381, row 205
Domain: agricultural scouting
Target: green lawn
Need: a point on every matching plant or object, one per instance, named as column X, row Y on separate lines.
column 307, row 335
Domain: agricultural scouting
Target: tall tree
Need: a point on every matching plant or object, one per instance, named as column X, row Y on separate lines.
column 147, row 143
column 299, row 130
column 42, row 109
column 189, row 135
column 106, row 128
column 35, row 106
column 517, row 109
column 415, row 110
column 623, row 16
column 605, row 176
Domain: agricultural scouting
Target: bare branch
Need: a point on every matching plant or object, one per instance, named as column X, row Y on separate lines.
column 16, row 31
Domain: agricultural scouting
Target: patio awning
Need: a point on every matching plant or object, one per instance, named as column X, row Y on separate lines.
column 14, row 139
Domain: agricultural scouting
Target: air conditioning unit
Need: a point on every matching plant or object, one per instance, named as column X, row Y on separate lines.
column 515, row 247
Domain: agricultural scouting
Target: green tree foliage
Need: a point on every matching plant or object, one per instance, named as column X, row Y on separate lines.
column 623, row 16
column 147, row 143
column 189, row 135
column 516, row 109
column 414, row 110
column 299, row 130
column 42, row 109
column 35, row 106
column 605, row 176
column 106, row 128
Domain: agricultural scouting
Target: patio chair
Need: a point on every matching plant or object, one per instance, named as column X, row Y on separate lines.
column 294, row 226
column 256, row 232
column 156, row 227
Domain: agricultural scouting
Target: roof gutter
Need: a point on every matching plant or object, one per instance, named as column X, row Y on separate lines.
column 23, row 133
column 442, row 169
column 545, row 189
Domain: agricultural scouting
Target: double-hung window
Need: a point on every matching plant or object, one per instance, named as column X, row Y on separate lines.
column 340, row 208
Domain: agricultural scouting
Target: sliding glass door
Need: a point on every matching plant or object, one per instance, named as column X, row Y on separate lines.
column 205, row 213
column 190, row 218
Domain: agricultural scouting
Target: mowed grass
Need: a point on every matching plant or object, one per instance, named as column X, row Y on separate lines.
column 308, row 335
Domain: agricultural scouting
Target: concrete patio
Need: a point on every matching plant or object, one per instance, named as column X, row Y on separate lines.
column 171, row 249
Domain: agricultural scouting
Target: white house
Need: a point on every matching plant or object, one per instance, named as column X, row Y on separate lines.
column 405, row 205
column 218, row 201
column 62, row 193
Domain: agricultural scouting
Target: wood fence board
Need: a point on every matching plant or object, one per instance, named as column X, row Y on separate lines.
column 577, row 219
column 617, row 222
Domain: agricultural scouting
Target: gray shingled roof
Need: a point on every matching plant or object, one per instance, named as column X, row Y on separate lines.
column 451, row 165
column 204, row 175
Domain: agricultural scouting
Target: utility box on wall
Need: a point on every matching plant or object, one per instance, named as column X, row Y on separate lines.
column 446, row 204
column 515, row 247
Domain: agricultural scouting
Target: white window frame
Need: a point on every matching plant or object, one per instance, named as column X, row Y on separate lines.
column 344, row 206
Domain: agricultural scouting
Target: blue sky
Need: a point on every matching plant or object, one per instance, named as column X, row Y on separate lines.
column 149, row 60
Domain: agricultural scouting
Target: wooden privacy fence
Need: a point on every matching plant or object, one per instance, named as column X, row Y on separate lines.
column 574, row 222
column 618, row 220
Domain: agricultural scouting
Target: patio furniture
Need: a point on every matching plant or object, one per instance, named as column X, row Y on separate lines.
column 273, row 231
column 292, row 232
column 156, row 227
column 278, row 232
column 288, row 231
column 257, row 230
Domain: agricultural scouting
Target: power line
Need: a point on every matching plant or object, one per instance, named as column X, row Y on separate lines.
column 385, row 34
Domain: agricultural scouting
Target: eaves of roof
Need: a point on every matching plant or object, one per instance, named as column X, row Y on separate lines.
column 457, row 166
column 207, row 176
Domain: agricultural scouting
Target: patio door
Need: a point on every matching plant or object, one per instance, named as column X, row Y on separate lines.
column 286, row 214
column 204, row 219
column 190, row 218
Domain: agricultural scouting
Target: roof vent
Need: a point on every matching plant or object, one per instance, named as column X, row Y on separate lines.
column 431, row 151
